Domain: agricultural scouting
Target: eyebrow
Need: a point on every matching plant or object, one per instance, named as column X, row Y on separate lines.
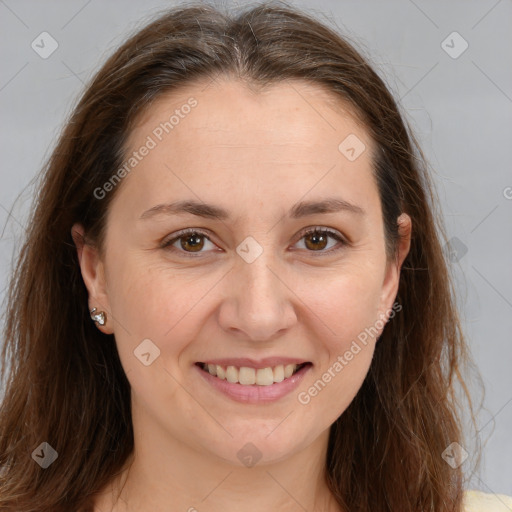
column 209, row 211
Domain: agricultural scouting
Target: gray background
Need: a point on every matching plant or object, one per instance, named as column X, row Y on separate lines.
column 460, row 108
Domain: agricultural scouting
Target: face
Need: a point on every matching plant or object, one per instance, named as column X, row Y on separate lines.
column 254, row 283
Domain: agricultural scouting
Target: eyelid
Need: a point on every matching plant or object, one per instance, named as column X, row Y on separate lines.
column 169, row 241
column 320, row 229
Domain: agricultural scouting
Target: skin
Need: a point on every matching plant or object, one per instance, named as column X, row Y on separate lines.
column 255, row 154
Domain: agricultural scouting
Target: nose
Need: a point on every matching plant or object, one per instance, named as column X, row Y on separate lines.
column 258, row 305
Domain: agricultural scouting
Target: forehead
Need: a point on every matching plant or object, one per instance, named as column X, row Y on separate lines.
column 291, row 110
column 273, row 142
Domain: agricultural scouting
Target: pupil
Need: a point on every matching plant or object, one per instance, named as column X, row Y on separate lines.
column 316, row 237
column 196, row 239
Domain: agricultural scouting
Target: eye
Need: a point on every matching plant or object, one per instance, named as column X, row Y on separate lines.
column 191, row 241
column 316, row 239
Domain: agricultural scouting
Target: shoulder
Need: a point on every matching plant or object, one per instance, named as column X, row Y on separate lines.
column 476, row 501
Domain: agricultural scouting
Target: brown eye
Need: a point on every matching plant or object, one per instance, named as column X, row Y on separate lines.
column 192, row 242
column 187, row 243
column 316, row 240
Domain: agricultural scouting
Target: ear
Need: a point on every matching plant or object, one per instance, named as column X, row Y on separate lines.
column 93, row 274
column 392, row 277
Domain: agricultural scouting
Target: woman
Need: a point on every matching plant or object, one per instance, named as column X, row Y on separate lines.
column 233, row 293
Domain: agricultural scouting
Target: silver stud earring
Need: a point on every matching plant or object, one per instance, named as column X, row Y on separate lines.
column 100, row 318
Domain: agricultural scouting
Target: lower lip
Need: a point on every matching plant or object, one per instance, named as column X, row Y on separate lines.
column 254, row 394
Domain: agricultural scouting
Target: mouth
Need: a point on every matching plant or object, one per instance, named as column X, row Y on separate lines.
column 249, row 376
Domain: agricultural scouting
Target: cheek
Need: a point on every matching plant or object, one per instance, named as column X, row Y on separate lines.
column 336, row 383
column 348, row 310
column 159, row 303
column 157, row 314
column 343, row 304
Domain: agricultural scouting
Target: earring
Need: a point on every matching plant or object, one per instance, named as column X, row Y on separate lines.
column 100, row 318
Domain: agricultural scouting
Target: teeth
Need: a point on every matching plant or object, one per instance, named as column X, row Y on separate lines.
column 221, row 374
column 249, row 376
column 279, row 373
column 231, row 374
column 289, row 369
column 264, row 376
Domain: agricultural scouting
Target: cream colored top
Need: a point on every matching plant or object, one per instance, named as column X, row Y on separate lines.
column 476, row 501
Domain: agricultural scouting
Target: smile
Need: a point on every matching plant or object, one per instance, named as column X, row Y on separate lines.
column 251, row 385
column 247, row 376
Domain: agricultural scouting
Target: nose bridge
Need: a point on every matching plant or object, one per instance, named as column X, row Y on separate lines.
column 261, row 284
column 261, row 305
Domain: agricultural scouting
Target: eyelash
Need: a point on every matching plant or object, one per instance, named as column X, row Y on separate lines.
column 167, row 244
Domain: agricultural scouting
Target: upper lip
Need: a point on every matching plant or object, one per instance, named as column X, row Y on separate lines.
column 255, row 363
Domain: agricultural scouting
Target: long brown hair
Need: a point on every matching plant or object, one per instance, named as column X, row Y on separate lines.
column 64, row 383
